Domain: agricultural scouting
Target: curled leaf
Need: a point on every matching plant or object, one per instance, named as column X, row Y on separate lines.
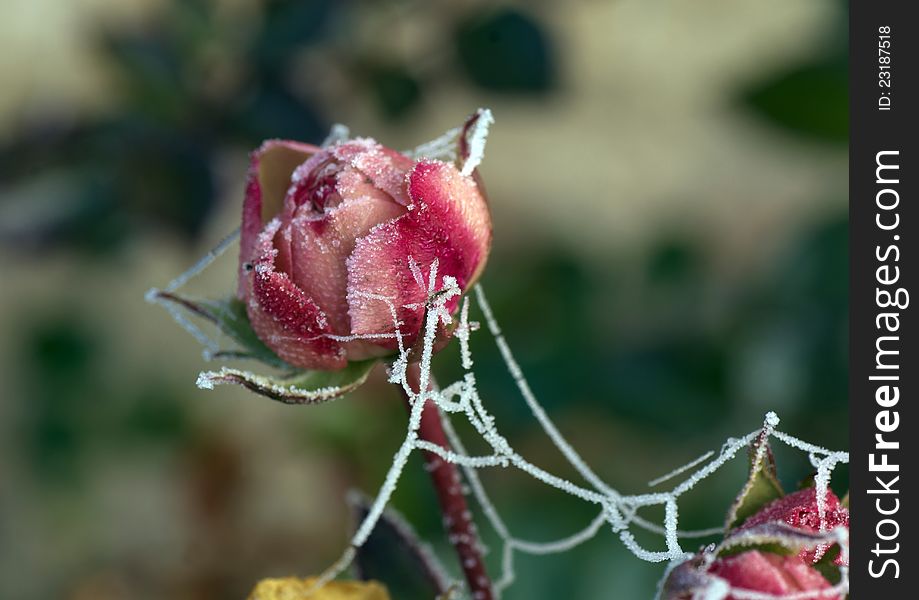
column 306, row 387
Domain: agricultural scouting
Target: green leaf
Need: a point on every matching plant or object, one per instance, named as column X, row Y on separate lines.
column 394, row 555
column 304, row 387
column 294, row 386
column 761, row 488
column 229, row 314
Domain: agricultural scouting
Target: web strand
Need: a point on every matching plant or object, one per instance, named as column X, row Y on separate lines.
column 460, row 400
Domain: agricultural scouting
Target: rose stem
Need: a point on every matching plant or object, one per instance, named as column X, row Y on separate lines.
column 461, row 531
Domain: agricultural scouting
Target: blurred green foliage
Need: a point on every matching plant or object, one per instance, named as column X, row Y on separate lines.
column 190, row 84
column 75, row 412
column 810, row 100
column 506, row 50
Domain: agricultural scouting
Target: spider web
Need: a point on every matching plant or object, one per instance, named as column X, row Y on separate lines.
column 460, row 400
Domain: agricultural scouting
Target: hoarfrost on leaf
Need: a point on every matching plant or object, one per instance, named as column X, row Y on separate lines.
column 476, row 134
column 463, row 145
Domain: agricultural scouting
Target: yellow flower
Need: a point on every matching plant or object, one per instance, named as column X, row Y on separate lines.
column 292, row 588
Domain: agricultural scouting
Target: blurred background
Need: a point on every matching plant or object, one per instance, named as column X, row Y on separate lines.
column 668, row 181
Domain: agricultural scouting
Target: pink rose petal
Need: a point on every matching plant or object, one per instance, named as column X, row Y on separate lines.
column 321, row 248
column 284, row 317
column 770, row 573
column 383, row 167
column 447, row 220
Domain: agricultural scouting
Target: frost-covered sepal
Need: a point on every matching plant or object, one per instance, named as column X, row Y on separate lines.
column 762, row 486
column 305, row 387
column 229, row 315
column 464, row 145
column 292, row 386
column 775, row 537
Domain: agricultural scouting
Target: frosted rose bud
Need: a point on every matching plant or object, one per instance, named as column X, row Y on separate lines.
column 772, row 574
column 792, row 521
column 325, row 231
column 800, row 511
column 752, row 571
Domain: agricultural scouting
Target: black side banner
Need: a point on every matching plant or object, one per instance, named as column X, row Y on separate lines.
column 884, row 224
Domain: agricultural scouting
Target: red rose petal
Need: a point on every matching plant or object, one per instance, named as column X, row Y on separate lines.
column 770, row 573
column 447, row 220
column 284, row 317
column 799, row 510
column 322, row 246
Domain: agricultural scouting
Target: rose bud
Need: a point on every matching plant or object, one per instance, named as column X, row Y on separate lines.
column 772, row 574
column 327, row 231
column 751, row 571
column 799, row 510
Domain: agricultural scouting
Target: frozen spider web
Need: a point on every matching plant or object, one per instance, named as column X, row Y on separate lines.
column 616, row 512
